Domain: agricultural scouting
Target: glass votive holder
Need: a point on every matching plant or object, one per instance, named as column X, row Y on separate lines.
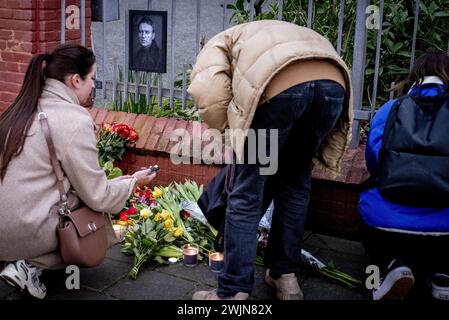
column 190, row 254
column 216, row 261
column 120, row 231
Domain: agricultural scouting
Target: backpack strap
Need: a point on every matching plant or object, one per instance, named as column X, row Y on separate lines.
column 418, row 90
column 389, row 124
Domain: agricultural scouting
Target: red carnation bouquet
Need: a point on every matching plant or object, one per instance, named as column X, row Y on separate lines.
column 112, row 140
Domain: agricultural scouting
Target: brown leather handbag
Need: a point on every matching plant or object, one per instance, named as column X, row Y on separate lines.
column 82, row 232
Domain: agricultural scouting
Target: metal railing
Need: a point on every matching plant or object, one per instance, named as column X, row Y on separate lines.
column 358, row 64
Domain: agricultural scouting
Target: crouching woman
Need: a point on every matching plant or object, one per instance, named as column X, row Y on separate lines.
column 59, row 83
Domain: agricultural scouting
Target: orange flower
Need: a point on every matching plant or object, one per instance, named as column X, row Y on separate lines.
column 107, row 127
column 132, row 135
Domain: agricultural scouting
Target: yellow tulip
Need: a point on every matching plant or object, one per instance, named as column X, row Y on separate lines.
column 168, row 224
column 145, row 213
column 131, row 222
column 165, row 214
column 157, row 192
column 178, row 232
column 157, row 217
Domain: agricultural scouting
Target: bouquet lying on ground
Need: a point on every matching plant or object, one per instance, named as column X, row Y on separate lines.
column 158, row 227
column 152, row 235
column 328, row 270
column 112, row 139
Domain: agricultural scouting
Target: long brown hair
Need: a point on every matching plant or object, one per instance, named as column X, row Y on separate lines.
column 15, row 122
column 428, row 64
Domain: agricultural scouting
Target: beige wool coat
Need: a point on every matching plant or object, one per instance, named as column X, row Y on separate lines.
column 28, row 193
column 234, row 67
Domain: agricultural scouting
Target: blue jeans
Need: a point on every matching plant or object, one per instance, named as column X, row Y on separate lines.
column 303, row 115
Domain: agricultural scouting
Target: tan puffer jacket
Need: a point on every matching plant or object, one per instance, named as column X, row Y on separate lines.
column 235, row 66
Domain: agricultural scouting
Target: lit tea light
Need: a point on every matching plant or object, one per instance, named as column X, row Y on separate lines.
column 190, row 254
column 172, row 260
column 120, row 231
column 216, row 261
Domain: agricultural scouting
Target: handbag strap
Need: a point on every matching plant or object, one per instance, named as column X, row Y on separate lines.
column 42, row 116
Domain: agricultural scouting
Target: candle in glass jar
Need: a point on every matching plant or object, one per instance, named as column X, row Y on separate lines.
column 190, row 254
column 216, row 261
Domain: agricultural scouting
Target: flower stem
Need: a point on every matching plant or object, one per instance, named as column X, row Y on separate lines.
column 138, row 264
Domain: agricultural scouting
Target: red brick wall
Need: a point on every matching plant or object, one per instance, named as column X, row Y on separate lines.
column 28, row 27
column 154, row 146
column 333, row 204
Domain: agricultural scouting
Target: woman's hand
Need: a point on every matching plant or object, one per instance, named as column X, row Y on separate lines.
column 144, row 177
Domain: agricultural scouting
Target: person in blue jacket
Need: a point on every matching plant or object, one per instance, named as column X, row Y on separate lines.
column 406, row 242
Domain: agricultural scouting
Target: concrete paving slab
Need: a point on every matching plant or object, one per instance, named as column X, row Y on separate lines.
column 5, row 290
column 105, row 275
column 201, row 273
column 336, row 244
column 115, row 254
column 319, row 289
column 351, row 264
column 261, row 289
column 152, row 285
column 81, row 294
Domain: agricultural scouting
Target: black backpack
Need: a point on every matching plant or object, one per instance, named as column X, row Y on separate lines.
column 414, row 158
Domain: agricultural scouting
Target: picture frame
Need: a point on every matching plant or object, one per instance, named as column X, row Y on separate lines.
column 148, row 41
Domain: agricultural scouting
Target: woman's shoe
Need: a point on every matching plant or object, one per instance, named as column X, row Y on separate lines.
column 396, row 284
column 25, row 277
column 440, row 286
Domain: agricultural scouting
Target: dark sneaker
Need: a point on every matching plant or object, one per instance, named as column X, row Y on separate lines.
column 212, row 295
column 396, row 284
column 287, row 287
column 440, row 286
column 24, row 277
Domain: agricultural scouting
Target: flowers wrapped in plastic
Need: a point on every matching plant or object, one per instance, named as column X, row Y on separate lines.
column 153, row 234
column 308, row 260
column 158, row 227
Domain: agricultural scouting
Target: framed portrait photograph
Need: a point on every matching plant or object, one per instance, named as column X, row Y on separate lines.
column 148, row 41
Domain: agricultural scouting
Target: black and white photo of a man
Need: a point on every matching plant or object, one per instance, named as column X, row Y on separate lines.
column 148, row 43
column 149, row 54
